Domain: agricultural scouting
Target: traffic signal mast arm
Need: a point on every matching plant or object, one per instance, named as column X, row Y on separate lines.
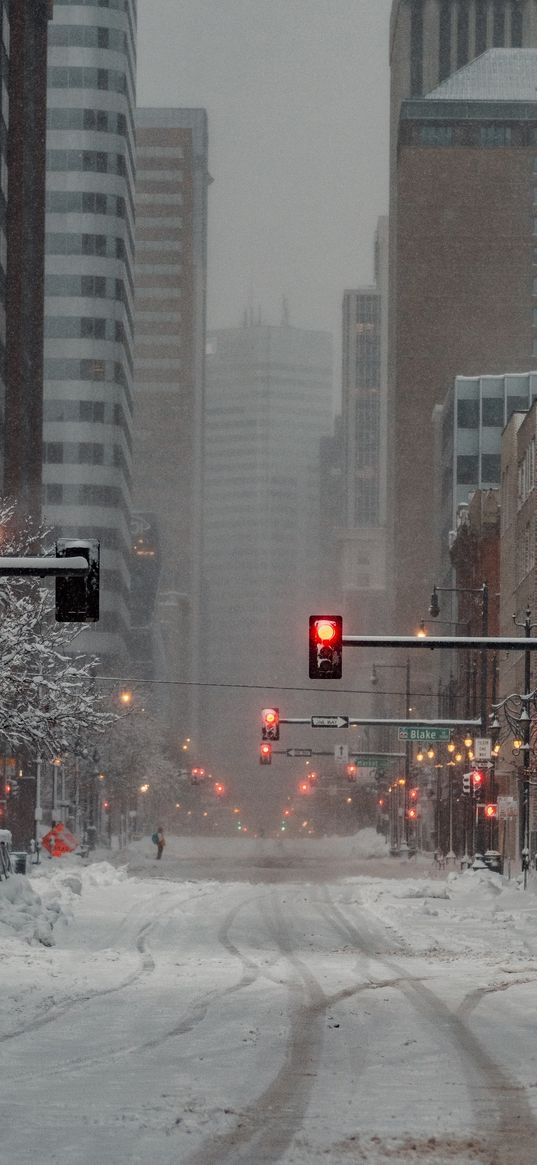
column 47, row 566
column 448, row 642
column 391, row 722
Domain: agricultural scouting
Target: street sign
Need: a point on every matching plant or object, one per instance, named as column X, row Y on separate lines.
column 422, row 733
column 299, row 752
column 507, row 807
column 341, row 754
column 368, row 761
column 482, row 748
column 330, row 722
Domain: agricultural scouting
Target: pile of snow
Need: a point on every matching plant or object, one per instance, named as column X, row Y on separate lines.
column 31, row 907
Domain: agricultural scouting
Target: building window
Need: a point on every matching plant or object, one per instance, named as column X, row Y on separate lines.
column 444, row 40
column 416, row 49
column 490, row 468
column 463, row 31
column 498, row 24
column 492, row 412
column 467, row 470
column 54, row 494
column 436, row 135
column 468, row 414
column 495, row 135
column 516, row 25
column 480, row 26
column 53, row 452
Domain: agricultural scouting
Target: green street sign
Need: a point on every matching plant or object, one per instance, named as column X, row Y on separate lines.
column 421, row 734
column 369, row 761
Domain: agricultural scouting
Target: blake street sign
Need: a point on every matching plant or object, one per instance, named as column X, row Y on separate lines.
column 330, row 722
column 424, row 734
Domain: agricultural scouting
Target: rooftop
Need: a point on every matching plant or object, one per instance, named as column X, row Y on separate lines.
column 497, row 75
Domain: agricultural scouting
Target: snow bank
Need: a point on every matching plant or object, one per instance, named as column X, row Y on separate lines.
column 30, row 908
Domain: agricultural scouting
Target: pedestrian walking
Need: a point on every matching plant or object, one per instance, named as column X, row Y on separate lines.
column 161, row 842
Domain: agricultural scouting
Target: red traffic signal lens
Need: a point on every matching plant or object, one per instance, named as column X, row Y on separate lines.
column 270, row 716
column 325, row 630
column 266, row 750
column 491, row 810
column 477, row 777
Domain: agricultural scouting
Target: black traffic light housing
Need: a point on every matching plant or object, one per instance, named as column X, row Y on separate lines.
column 325, row 647
column 270, row 724
column 265, row 754
column 77, row 597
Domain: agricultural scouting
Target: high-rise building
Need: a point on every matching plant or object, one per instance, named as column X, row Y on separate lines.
column 362, row 535
column 23, row 68
column 171, row 270
column 89, row 293
column 269, row 403
column 464, row 273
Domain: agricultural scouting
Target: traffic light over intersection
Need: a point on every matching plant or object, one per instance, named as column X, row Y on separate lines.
column 325, row 647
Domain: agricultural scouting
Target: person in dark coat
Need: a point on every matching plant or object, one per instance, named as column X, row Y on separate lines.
column 161, row 842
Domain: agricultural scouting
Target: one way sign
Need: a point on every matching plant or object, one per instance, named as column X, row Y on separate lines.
column 330, row 722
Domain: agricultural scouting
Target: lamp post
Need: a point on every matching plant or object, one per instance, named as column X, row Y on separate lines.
column 434, row 610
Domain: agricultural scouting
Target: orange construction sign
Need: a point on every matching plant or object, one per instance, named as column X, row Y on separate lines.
column 59, row 841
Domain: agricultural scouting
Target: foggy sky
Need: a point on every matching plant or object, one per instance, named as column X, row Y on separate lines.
column 297, row 99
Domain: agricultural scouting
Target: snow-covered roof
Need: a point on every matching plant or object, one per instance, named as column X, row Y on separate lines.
column 497, row 75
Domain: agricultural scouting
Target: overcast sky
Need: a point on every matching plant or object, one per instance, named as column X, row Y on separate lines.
column 297, row 98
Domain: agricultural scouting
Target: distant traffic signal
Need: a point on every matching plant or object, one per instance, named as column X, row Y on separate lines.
column 325, row 647
column 478, row 779
column 466, row 782
column 77, row 596
column 491, row 811
column 270, row 726
column 265, row 754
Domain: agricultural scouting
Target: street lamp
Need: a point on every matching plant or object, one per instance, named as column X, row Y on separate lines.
column 434, row 610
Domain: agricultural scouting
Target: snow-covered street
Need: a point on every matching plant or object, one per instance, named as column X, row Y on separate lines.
column 263, row 1001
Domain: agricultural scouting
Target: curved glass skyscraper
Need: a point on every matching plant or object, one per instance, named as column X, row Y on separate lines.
column 89, row 291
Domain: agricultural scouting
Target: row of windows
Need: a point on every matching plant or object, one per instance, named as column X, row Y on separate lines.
column 105, row 246
column 468, row 135
column 85, row 202
column 87, row 36
column 84, row 495
column 468, row 469
column 100, row 120
column 89, row 287
column 82, row 453
column 492, row 411
column 85, row 328
column 81, row 77
column 94, row 412
column 89, row 161
column 111, row 371
column 111, row 5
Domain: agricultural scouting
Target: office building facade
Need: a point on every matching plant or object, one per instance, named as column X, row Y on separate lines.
column 465, row 268
column 171, row 274
column 89, row 294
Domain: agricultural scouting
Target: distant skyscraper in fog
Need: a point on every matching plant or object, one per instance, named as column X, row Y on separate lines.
column 269, row 403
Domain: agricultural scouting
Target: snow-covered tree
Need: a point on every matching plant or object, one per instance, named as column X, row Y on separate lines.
column 48, row 696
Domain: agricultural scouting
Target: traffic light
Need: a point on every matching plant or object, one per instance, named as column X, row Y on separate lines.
column 491, row 811
column 466, row 782
column 478, row 779
column 325, row 647
column 265, row 754
column 270, row 729
column 77, row 598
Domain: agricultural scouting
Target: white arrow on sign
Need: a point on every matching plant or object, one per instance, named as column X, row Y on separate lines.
column 341, row 754
column 330, row 722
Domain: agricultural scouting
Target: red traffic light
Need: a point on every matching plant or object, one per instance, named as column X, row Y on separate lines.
column 325, row 647
column 478, row 778
column 219, row 788
column 270, row 724
column 265, row 754
column 304, row 787
column 491, row 811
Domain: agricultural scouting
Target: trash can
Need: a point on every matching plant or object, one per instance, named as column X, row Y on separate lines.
column 19, row 862
column 494, row 861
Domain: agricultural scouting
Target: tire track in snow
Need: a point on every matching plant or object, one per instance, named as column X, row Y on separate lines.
column 492, row 1092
